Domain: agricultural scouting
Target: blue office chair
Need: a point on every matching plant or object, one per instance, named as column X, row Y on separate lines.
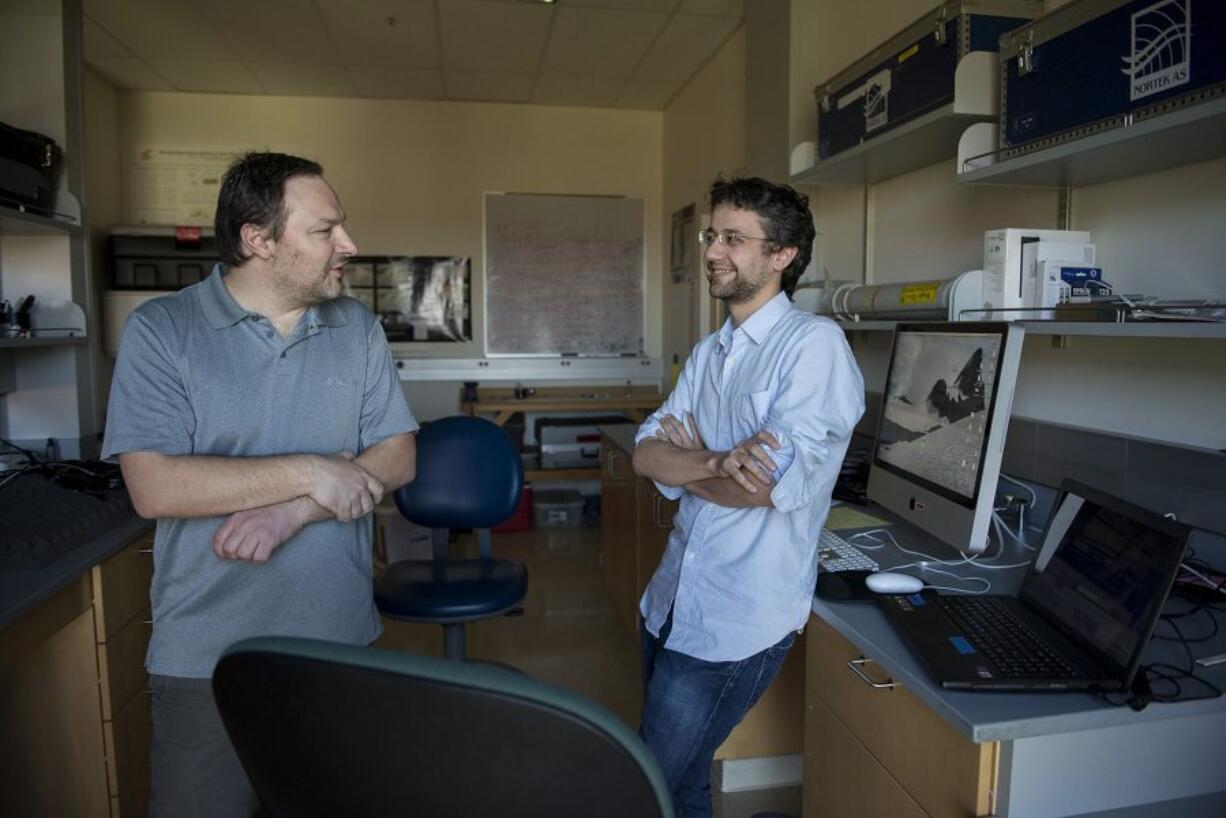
column 324, row 729
column 468, row 476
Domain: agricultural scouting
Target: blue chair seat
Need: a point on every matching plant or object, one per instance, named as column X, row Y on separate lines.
column 451, row 591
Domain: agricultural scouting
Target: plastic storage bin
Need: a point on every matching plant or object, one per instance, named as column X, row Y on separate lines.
column 557, row 508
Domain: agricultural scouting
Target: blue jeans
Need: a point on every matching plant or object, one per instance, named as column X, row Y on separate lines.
column 690, row 706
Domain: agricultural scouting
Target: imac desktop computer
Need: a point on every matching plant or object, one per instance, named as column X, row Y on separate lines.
column 945, row 411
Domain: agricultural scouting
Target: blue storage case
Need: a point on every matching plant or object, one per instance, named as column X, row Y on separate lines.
column 1099, row 64
column 912, row 73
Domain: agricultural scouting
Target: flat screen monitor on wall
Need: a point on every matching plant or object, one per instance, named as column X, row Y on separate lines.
column 945, row 412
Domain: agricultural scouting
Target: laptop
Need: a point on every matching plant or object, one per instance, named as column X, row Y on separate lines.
column 1083, row 617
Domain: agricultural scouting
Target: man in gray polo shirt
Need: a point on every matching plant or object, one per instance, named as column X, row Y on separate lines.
column 259, row 418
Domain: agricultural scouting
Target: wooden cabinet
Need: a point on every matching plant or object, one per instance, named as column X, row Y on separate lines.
column 619, row 533
column 872, row 748
column 51, row 740
column 122, row 626
column 653, row 522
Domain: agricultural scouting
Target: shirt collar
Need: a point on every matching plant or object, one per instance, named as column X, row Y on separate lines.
column 223, row 311
column 758, row 325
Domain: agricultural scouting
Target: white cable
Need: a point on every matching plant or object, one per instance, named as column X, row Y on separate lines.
column 998, row 523
column 987, row 585
column 1214, row 585
column 1033, row 498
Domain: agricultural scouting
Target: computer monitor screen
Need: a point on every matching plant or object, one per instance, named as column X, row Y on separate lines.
column 945, row 409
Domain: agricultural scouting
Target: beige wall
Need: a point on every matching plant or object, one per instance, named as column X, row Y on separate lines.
column 1156, row 234
column 704, row 135
column 412, row 174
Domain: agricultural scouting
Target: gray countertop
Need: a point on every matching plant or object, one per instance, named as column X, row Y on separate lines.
column 997, row 716
column 23, row 589
column 622, row 435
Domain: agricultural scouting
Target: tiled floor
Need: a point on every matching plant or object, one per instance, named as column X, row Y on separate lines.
column 570, row 636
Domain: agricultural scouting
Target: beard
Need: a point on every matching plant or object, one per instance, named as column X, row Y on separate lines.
column 302, row 290
column 736, row 291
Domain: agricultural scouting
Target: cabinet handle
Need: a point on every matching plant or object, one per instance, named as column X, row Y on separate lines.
column 657, row 514
column 145, row 551
column 856, row 664
column 609, row 461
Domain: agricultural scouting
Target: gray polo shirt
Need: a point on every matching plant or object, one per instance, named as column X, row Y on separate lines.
column 198, row 374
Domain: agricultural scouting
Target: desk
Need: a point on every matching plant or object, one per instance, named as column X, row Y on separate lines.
column 1055, row 754
column 633, row 401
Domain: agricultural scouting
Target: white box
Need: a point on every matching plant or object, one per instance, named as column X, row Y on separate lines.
column 1036, row 255
column 1003, row 266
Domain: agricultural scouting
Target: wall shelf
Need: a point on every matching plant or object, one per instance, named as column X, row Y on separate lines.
column 1128, row 329
column 46, row 341
column 15, row 222
column 1194, row 134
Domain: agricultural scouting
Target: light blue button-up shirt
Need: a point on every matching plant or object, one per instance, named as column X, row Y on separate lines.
column 739, row 579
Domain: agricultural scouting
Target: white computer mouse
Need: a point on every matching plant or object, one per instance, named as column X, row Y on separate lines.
column 886, row 582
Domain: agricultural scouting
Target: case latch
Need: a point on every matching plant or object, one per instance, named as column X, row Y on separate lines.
column 1025, row 55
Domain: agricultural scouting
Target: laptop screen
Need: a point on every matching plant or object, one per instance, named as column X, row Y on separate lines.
column 1106, row 581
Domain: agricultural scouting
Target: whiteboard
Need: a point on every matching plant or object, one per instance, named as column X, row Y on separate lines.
column 563, row 275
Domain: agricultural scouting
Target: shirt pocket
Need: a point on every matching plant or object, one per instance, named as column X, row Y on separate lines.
column 750, row 410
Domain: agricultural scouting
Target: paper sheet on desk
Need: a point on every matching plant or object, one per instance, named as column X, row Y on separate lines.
column 843, row 517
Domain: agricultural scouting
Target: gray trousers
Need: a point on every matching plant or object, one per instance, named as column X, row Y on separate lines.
column 194, row 771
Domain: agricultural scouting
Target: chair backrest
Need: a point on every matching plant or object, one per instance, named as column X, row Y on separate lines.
column 324, row 729
column 468, row 475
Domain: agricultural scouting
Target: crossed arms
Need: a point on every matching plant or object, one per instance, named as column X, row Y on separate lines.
column 268, row 499
column 738, row 478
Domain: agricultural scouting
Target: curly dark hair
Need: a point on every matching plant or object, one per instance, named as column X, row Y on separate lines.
column 253, row 192
column 785, row 217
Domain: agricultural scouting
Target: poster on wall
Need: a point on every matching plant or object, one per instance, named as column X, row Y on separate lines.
column 417, row 298
column 176, row 185
column 684, row 244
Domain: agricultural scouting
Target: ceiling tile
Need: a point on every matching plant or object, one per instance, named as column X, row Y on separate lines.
column 489, row 86
column 641, row 5
column 484, row 36
column 166, row 29
column 98, row 43
column 363, row 34
column 301, row 80
column 397, row 83
column 686, row 44
column 596, row 42
column 586, row 91
column 726, row 8
column 209, row 76
column 650, row 95
column 129, row 74
column 272, row 31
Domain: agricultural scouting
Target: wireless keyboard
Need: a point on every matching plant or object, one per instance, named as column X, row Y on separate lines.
column 836, row 554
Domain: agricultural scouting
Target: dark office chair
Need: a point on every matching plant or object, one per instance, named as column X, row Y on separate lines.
column 325, row 729
column 468, row 476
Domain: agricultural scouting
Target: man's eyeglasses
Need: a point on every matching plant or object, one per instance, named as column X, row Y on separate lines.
column 728, row 238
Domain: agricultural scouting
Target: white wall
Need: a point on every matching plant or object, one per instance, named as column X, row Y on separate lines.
column 1157, row 234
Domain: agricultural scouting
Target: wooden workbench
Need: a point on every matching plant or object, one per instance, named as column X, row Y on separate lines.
column 636, row 402
column 633, row 401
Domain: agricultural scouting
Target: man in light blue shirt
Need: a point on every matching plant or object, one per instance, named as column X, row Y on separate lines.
column 751, row 441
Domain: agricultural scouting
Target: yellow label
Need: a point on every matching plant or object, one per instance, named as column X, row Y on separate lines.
column 909, row 53
column 925, row 293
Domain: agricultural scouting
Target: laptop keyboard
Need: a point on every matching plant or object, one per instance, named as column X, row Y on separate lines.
column 836, row 554
column 1015, row 651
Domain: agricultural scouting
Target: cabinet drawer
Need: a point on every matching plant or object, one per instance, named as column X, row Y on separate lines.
column 121, row 586
column 121, row 664
column 842, row 779
column 944, row 772
column 127, row 741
